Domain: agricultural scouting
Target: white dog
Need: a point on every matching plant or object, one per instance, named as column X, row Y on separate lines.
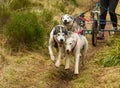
column 78, row 45
column 57, row 39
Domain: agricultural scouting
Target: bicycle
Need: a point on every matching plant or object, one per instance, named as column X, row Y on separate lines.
column 95, row 15
column 95, row 19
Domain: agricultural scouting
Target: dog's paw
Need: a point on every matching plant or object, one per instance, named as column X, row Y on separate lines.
column 57, row 64
column 76, row 72
column 66, row 67
column 52, row 58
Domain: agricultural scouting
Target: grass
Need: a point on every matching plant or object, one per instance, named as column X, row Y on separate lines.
column 31, row 69
column 24, row 71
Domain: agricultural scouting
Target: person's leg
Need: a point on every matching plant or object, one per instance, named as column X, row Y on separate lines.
column 112, row 7
column 103, row 12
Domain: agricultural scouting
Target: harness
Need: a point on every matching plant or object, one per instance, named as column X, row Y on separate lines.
column 74, row 45
column 79, row 32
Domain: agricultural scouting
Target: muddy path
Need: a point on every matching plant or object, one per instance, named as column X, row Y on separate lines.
column 62, row 78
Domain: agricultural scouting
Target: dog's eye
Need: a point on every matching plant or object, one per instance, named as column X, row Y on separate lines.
column 58, row 34
column 70, row 43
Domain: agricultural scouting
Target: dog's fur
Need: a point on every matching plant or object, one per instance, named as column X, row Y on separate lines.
column 72, row 24
column 78, row 45
column 57, row 39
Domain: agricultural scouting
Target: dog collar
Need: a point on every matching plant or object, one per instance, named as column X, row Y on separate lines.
column 74, row 46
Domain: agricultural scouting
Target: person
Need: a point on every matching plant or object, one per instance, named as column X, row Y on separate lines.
column 107, row 5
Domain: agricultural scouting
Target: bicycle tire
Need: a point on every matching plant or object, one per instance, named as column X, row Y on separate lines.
column 94, row 32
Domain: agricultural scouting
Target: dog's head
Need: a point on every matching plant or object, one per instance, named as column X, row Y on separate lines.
column 70, row 43
column 67, row 19
column 60, row 34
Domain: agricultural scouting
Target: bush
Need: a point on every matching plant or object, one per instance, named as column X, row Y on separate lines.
column 18, row 4
column 46, row 19
column 46, row 15
column 111, row 55
column 111, row 61
column 24, row 29
column 4, row 15
column 74, row 2
column 60, row 6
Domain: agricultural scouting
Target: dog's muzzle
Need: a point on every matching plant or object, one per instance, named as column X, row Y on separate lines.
column 67, row 51
column 61, row 40
column 65, row 22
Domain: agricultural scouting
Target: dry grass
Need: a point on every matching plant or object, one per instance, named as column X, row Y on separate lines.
column 34, row 70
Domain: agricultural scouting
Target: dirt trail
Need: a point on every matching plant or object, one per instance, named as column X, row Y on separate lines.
column 32, row 70
column 63, row 78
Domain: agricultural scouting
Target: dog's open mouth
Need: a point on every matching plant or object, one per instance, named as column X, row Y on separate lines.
column 66, row 23
column 60, row 43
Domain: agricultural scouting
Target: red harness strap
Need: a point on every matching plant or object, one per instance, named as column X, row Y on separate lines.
column 74, row 46
column 79, row 32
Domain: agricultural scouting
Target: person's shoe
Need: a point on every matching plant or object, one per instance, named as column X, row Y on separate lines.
column 116, row 30
column 100, row 35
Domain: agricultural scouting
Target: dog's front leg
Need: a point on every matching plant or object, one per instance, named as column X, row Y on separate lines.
column 83, row 58
column 84, row 52
column 50, row 50
column 77, row 57
column 67, row 62
column 57, row 64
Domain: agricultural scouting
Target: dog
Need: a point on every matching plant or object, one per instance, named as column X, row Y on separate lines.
column 57, row 39
column 78, row 45
column 73, row 24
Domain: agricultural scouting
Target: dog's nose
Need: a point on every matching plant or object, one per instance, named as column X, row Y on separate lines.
column 61, row 40
column 65, row 21
column 67, row 51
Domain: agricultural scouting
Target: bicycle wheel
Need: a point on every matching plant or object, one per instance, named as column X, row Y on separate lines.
column 94, row 32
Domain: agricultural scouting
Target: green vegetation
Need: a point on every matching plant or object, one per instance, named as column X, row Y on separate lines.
column 27, row 24
column 19, row 4
column 23, row 29
column 110, row 56
column 61, row 7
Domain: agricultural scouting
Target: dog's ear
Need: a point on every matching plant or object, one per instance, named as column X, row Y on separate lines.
column 65, row 31
column 61, row 18
column 55, row 32
column 71, row 17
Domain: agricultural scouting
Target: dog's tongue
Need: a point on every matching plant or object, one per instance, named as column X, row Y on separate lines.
column 60, row 44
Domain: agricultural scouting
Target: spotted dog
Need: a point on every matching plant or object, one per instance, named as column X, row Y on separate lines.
column 57, row 39
column 72, row 24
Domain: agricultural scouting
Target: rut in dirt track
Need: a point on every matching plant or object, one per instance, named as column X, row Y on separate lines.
column 62, row 78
